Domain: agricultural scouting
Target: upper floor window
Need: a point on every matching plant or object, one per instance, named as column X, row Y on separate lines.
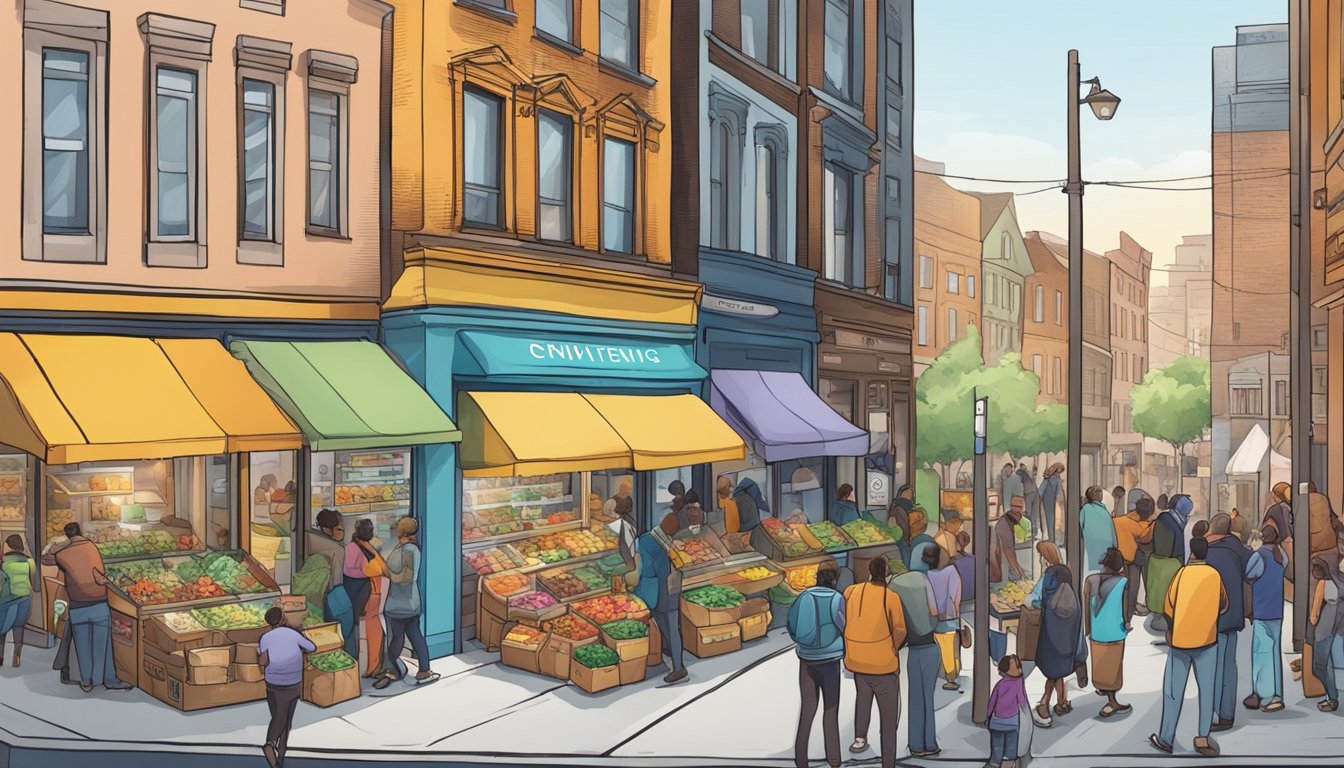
column 925, row 272
column 1038, row 302
column 760, row 31
column 555, row 18
column 1006, row 246
column 65, row 141
column 175, row 154
column 891, row 282
column 839, row 31
column 1059, row 308
column 922, row 325
column 618, row 195
column 893, row 121
column 770, row 195
column 894, row 60
column 256, row 160
column 724, row 186
column 951, row 324
column 1246, row 400
column 970, row 286
column 838, row 229
column 325, row 160
column 953, row 282
column 482, row 158
column 555, row 175
column 620, row 32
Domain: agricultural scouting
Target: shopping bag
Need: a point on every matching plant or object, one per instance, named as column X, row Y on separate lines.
column 1028, row 632
column 1312, row 687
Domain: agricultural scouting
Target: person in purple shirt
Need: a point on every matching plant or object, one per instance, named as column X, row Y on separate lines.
column 280, row 655
column 1006, row 703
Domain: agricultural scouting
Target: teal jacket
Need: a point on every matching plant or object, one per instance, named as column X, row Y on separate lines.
column 1098, row 529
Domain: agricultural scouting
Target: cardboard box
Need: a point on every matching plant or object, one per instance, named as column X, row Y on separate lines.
column 207, row 675
column 522, row 655
column 488, row 601
column 215, row 656
column 633, row 671
column 556, row 658
column 326, row 689
column 754, row 606
column 247, row 673
column 636, row 648
column 167, row 684
column 595, row 680
column 701, row 616
column 655, row 644
column 755, row 627
column 704, row 642
column 489, row 630
column 245, row 653
column 158, row 634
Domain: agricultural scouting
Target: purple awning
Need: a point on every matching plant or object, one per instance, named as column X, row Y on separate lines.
column 781, row 418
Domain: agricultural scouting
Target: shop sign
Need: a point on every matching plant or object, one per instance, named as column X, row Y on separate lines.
column 879, row 490
column 736, row 307
column 508, row 354
column 852, row 340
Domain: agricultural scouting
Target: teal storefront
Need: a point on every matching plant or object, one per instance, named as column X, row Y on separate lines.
column 561, row 411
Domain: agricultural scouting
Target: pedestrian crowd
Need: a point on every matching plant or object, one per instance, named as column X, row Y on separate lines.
column 1203, row 584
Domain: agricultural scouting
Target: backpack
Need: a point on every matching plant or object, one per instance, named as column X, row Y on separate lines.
column 810, row 629
column 912, row 587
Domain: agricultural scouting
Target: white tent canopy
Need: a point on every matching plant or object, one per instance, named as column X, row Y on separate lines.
column 1250, row 454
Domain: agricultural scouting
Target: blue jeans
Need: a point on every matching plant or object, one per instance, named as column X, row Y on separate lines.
column 1322, row 665
column 1179, row 661
column 1267, row 659
column 923, row 666
column 401, row 629
column 1225, row 686
column 1002, row 743
column 92, row 630
column 669, row 624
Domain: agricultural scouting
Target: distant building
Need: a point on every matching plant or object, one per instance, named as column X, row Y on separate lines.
column 1130, row 265
column 947, row 266
column 1005, row 265
column 1250, row 300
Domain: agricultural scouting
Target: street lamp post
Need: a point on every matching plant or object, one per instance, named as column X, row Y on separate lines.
column 1103, row 104
column 980, row 522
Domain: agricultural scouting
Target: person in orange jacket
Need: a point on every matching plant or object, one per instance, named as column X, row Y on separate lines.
column 1132, row 530
column 874, row 634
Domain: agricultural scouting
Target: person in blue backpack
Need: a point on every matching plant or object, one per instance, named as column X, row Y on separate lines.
column 660, row 589
column 817, row 626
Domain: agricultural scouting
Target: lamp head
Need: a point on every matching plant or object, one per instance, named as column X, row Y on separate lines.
column 1103, row 102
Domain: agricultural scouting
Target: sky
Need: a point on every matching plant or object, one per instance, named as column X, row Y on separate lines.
column 990, row 99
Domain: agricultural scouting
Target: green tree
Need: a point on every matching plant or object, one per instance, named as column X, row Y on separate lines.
column 1172, row 403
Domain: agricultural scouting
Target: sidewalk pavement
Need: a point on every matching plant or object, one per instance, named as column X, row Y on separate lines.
column 735, row 710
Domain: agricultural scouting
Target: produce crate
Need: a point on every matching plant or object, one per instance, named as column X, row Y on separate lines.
column 247, row 673
column 774, row 549
column 521, row 648
column 323, row 688
column 595, row 680
column 702, row 616
column 755, row 627
column 706, row 642
column 841, row 542
column 633, row 671
column 754, row 606
column 159, row 632
column 553, row 579
column 732, row 577
column 634, row 648
column 535, row 616
column 557, row 655
column 494, row 600
column 608, row 608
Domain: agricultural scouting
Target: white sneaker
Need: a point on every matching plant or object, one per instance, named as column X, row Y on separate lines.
column 859, row 745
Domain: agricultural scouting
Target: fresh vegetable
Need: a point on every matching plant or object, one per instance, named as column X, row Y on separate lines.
column 524, row 635
column 532, row 601
column 865, row 533
column 626, row 629
column 715, row 596
column 564, row 584
column 596, row 656
column 691, row 552
column 802, row 576
column 755, row 573
column 570, row 627
column 789, row 540
column 332, row 661
column 608, row 608
column 831, row 537
column 507, row 584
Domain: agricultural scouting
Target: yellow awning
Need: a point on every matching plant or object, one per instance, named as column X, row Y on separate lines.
column 250, row 420
column 75, row 398
column 669, row 430
column 537, row 433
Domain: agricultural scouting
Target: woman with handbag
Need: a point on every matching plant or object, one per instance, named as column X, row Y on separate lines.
column 946, row 584
column 1107, row 622
column 363, row 566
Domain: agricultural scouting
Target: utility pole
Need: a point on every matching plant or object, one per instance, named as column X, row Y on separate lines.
column 980, row 667
column 1300, row 254
column 1073, row 540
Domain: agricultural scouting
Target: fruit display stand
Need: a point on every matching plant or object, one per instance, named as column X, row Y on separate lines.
column 871, row 542
column 1005, row 605
column 785, row 542
column 703, row 558
column 799, row 574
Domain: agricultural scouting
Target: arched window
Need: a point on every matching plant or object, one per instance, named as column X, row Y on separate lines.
column 772, row 195
column 727, row 121
column 1007, row 247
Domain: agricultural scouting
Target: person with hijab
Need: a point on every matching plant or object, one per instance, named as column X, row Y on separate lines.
column 845, row 509
column 945, row 582
column 751, row 504
column 921, row 541
column 1230, row 558
column 1098, row 528
column 1106, row 621
column 1324, row 618
column 1056, row 653
column 1265, row 571
column 1168, row 555
column 1050, row 490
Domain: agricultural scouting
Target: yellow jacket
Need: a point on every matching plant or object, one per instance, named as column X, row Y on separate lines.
column 874, row 629
column 1130, row 532
column 1194, row 600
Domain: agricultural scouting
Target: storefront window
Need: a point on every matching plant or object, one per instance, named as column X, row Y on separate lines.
column 15, row 477
column 900, row 447
column 273, row 475
column 802, row 489
column 363, row 484
column 880, row 462
column 605, row 487
column 137, row 508
column 511, row 508
column 840, row 395
column 669, row 489
column 721, row 510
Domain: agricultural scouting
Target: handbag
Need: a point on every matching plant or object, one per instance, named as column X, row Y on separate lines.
column 1028, row 632
column 966, row 637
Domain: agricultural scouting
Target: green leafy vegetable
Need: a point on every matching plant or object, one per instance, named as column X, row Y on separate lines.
column 332, row 661
column 715, row 596
column 626, row 629
column 595, row 656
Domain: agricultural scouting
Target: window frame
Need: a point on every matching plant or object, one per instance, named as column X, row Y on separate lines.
column 925, row 272
column 922, row 325
column 331, row 74
column 633, row 30
column 833, row 174
column 268, row 251
column 570, row 32
column 970, row 286
column 570, row 134
column 850, row 88
column 1059, row 308
column 891, row 260
column 952, row 283
column 952, row 324
column 502, row 113
column 179, row 250
column 773, row 30
column 633, row 189
column 81, row 30
column 1038, row 304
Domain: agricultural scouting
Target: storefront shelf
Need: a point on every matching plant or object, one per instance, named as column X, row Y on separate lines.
column 498, row 504
column 143, row 555
column 473, row 545
column 371, row 507
column 69, row 489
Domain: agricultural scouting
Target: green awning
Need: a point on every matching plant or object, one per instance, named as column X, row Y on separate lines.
column 346, row 395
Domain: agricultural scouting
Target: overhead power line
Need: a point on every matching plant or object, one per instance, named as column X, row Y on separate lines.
column 1242, row 174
